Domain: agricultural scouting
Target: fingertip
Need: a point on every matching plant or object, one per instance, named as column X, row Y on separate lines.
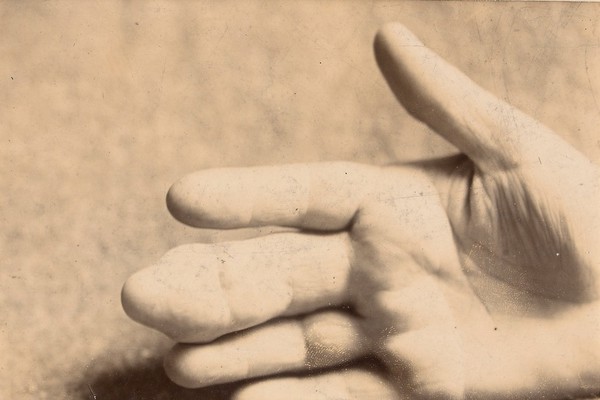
column 408, row 66
column 164, row 297
column 178, row 201
column 132, row 297
column 212, row 199
column 390, row 45
column 394, row 34
column 141, row 301
column 179, row 366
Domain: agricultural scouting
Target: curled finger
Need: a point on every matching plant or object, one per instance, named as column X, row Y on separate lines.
column 321, row 340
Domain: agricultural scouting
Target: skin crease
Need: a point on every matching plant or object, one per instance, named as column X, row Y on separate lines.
column 473, row 276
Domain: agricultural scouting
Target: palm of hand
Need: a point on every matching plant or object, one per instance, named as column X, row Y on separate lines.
column 440, row 314
column 417, row 305
column 525, row 241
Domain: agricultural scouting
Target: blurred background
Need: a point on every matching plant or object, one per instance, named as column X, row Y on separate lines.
column 104, row 104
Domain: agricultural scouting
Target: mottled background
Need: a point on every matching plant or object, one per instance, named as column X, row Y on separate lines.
column 104, row 104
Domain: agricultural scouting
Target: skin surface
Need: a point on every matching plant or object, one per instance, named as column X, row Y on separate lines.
column 475, row 276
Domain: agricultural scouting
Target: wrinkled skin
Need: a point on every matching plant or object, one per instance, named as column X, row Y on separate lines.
column 475, row 276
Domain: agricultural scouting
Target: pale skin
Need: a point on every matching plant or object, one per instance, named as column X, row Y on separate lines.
column 475, row 276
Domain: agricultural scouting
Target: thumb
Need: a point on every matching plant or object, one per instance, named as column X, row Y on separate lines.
column 492, row 133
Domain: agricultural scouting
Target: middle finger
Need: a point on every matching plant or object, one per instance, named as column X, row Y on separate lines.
column 197, row 293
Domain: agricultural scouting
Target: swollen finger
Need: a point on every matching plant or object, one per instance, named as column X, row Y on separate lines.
column 199, row 292
column 491, row 132
column 317, row 341
column 314, row 196
column 352, row 384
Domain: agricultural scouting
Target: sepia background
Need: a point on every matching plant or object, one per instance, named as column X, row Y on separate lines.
column 104, row 104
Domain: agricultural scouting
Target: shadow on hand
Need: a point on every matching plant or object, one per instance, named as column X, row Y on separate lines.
column 147, row 382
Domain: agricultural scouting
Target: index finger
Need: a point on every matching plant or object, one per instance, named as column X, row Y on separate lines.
column 320, row 196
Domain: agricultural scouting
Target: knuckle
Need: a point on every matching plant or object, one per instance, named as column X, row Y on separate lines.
column 330, row 337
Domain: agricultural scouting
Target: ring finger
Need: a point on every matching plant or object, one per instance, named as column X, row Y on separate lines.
column 320, row 340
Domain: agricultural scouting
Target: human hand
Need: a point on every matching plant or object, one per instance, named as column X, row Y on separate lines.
column 473, row 276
